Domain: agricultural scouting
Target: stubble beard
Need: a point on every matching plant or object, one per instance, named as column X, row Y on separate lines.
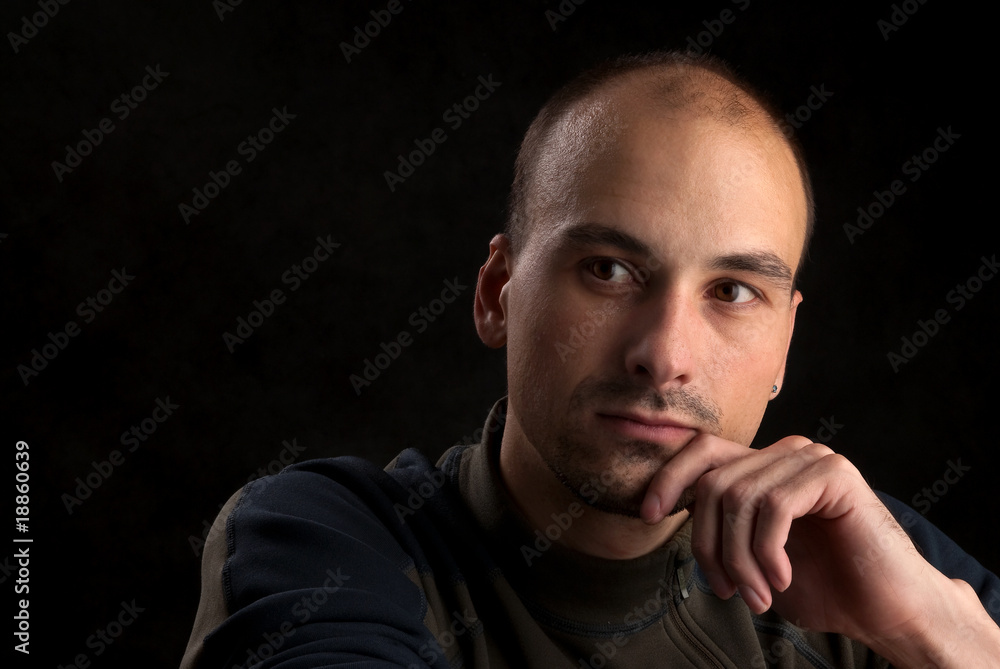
column 620, row 487
column 614, row 477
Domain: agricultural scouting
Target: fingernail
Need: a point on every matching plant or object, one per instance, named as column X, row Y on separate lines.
column 752, row 599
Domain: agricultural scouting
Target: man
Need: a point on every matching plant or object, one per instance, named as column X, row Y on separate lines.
column 614, row 515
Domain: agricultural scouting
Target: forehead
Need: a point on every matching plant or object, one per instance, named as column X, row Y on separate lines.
column 672, row 176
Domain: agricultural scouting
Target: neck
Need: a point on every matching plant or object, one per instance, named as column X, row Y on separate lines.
column 548, row 505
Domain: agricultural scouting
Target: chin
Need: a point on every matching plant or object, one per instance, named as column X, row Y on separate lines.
column 608, row 479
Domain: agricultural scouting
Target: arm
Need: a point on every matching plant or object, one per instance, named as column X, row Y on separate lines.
column 796, row 526
column 314, row 576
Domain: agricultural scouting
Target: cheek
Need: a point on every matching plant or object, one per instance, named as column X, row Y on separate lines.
column 727, row 352
column 555, row 339
column 535, row 326
column 742, row 371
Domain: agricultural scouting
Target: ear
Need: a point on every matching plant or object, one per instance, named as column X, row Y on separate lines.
column 779, row 379
column 491, row 293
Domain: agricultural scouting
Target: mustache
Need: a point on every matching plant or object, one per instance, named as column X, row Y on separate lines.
column 620, row 394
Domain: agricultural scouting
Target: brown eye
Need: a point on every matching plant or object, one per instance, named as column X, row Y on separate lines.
column 604, row 269
column 732, row 292
column 610, row 270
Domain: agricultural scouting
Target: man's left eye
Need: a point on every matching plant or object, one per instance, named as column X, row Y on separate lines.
column 732, row 292
column 609, row 270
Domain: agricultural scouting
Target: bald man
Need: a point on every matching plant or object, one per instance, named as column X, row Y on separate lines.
column 614, row 515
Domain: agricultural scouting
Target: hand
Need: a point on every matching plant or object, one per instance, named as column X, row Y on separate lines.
column 796, row 526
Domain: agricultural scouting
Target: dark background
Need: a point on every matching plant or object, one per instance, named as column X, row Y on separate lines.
column 137, row 535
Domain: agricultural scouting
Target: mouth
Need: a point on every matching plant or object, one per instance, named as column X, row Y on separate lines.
column 648, row 427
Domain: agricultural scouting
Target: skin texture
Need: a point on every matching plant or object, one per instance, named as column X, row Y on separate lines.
column 647, row 315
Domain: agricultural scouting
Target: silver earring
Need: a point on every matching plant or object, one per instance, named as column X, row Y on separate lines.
column 774, row 389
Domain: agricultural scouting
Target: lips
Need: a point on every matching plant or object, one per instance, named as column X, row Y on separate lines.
column 647, row 427
column 644, row 419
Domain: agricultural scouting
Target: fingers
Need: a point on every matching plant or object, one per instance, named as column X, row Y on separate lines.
column 744, row 515
column 705, row 453
column 746, row 502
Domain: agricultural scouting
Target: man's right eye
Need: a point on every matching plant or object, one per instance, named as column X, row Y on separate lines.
column 610, row 270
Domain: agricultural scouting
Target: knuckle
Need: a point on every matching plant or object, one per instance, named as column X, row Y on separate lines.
column 739, row 495
column 708, row 484
column 818, row 450
column 761, row 548
column 839, row 464
column 732, row 563
column 774, row 500
column 702, row 549
column 794, row 442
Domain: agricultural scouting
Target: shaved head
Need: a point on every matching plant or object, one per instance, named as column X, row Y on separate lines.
column 585, row 118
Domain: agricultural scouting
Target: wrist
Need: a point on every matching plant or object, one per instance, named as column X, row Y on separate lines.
column 952, row 629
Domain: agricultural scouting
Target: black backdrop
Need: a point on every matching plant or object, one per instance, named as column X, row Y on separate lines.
column 221, row 74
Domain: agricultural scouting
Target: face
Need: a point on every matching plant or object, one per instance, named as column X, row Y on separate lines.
column 652, row 301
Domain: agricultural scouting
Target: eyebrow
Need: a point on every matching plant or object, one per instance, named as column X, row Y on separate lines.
column 762, row 263
column 594, row 234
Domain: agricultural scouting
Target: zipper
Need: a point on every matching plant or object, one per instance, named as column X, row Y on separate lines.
column 685, row 632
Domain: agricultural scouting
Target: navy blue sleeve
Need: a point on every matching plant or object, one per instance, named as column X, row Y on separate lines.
column 317, row 575
column 938, row 549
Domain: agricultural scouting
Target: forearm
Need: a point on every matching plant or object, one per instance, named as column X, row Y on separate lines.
column 954, row 632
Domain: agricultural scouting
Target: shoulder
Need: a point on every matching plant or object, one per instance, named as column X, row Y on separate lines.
column 320, row 547
column 343, row 511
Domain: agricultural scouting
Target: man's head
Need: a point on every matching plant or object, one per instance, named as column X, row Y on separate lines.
column 644, row 289
column 672, row 80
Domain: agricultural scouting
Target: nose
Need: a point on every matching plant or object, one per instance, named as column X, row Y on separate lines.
column 662, row 336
